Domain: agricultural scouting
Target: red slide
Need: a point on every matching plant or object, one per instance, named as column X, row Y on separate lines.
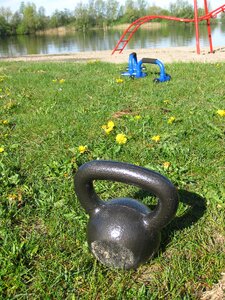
column 132, row 28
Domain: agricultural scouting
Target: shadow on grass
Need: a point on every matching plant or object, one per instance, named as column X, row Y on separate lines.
column 196, row 207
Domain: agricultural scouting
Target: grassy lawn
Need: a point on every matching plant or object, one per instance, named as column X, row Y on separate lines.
column 48, row 110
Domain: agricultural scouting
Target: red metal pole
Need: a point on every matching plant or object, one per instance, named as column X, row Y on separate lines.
column 196, row 27
column 208, row 26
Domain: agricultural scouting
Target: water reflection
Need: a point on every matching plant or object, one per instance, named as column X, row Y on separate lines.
column 168, row 35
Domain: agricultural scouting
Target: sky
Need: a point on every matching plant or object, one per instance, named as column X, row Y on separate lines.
column 51, row 5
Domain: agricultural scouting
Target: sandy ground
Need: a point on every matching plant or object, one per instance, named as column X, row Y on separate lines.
column 166, row 55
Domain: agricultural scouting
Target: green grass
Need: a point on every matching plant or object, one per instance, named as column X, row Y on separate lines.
column 43, row 248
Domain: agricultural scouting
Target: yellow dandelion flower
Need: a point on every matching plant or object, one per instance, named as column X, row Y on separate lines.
column 61, row 81
column 156, row 138
column 137, row 117
column 111, row 124
column 108, row 130
column 12, row 197
column 82, row 149
column 166, row 164
column 109, row 127
column 119, row 80
column 2, row 149
column 166, row 101
column 221, row 112
column 171, row 120
column 121, row 139
column 91, row 62
column 9, row 105
column 5, row 122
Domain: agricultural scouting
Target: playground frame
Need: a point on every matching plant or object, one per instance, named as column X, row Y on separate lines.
column 133, row 27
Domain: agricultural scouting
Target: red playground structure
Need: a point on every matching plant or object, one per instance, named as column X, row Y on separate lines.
column 128, row 33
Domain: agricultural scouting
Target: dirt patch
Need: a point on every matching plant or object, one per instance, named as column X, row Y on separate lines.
column 217, row 292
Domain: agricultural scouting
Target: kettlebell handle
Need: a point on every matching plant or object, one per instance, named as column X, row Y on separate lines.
column 144, row 178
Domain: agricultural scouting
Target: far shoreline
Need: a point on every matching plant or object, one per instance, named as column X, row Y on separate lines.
column 62, row 30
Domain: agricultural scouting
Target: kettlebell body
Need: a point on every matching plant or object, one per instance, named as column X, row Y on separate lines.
column 123, row 232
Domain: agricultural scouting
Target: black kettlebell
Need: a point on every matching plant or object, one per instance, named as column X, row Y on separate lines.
column 123, row 233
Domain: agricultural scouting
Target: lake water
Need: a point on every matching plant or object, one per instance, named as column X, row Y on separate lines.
column 173, row 35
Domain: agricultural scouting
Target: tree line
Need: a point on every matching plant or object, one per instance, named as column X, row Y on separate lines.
column 96, row 14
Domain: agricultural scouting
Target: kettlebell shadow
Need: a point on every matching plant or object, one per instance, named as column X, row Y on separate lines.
column 196, row 207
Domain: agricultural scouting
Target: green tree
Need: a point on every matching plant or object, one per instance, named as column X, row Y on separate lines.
column 222, row 17
column 182, row 9
column 112, row 11
column 6, row 13
column 157, row 10
column 4, row 27
column 15, row 22
column 42, row 20
column 5, row 18
column 29, row 19
column 54, row 20
column 61, row 18
column 142, row 7
column 130, row 12
column 82, row 17
column 22, row 7
column 100, row 12
column 201, row 11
